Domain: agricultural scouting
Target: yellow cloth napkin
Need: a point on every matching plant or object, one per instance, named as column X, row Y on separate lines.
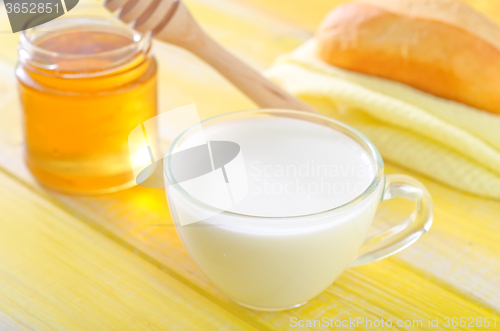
column 445, row 140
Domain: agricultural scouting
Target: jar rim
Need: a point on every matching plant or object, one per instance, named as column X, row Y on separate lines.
column 40, row 57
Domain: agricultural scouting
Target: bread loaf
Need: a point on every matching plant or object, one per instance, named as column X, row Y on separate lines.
column 442, row 47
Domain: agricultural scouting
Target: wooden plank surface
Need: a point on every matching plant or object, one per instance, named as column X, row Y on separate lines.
column 58, row 273
column 308, row 14
column 452, row 271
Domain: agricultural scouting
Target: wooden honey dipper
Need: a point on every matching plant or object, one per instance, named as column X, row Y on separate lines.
column 171, row 21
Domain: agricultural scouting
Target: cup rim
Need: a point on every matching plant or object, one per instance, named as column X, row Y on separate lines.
column 353, row 133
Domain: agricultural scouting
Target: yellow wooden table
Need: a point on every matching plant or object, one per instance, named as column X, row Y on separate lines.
column 115, row 262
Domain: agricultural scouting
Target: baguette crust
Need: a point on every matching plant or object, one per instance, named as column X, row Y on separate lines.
column 453, row 54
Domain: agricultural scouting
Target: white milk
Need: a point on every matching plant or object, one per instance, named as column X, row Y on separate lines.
column 294, row 168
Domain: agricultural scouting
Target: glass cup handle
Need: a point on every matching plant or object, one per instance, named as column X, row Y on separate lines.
column 407, row 231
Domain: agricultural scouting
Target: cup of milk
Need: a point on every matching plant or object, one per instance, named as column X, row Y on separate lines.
column 312, row 186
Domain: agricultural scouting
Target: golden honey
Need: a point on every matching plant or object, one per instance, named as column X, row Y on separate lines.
column 84, row 83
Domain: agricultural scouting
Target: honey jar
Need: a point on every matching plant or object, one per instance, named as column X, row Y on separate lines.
column 85, row 84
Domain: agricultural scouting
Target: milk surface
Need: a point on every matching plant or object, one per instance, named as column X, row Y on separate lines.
column 295, row 167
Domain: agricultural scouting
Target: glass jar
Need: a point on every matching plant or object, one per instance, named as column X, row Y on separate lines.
column 84, row 83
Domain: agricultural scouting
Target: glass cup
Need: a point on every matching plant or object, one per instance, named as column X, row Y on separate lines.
column 276, row 263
